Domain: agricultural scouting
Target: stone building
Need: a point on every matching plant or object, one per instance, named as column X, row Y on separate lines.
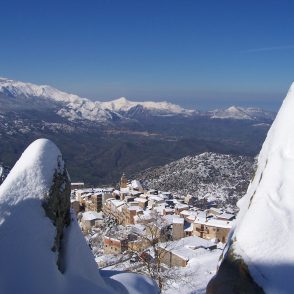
column 212, row 229
column 90, row 219
column 115, row 245
column 129, row 213
column 180, row 207
column 178, row 228
column 94, row 202
column 114, row 208
column 179, row 253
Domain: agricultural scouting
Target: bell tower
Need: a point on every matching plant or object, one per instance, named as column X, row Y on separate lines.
column 123, row 181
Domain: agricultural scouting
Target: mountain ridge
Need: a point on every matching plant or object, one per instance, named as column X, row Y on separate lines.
column 74, row 107
column 215, row 177
column 100, row 143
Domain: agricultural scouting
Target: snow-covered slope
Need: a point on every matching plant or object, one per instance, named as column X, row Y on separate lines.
column 17, row 88
column 31, row 260
column 263, row 235
column 248, row 113
column 216, row 177
column 74, row 107
column 68, row 105
column 124, row 105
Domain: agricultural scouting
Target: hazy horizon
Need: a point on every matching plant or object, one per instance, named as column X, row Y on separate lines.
column 203, row 55
column 202, row 100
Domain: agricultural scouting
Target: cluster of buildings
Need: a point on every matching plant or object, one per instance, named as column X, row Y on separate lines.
column 136, row 209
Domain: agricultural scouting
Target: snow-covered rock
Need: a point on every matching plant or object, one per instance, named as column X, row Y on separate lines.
column 42, row 249
column 4, row 171
column 259, row 255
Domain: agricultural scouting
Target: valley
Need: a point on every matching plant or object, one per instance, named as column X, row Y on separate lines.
column 103, row 139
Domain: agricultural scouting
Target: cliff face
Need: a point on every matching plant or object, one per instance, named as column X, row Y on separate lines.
column 259, row 256
column 42, row 249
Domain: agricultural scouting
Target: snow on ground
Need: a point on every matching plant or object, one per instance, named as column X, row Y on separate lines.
column 28, row 264
column 263, row 234
column 194, row 278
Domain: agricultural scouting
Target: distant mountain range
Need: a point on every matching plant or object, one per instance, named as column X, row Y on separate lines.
column 248, row 113
column 73, row 107
column 100, row 140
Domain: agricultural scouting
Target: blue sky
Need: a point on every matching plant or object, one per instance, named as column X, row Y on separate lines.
column 203, row 54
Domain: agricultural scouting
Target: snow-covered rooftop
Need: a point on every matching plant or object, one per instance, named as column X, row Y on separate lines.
column 139, row 199
column 186, row 248
column 92, row 215
column 156, row 198
column 178, row 220
column 137, row 208
column 135, row 184
column 181, row 206
column 213, row 222
column 125, row 190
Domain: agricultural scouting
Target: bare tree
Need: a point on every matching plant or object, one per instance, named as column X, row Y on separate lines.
column 149, row 248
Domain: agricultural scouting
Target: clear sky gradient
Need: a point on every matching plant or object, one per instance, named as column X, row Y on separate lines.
column 202, row 54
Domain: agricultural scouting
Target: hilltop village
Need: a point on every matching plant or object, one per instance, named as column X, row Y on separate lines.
column 145, row 217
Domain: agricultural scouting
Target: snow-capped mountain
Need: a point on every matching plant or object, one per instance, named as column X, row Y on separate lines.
column 248, row 113
column 122, row 105
column 215, row 177
column 120, row 135
column 73, row 107
column 18, row 95
column 259, row 256
column 66, row 105
column 17, row 88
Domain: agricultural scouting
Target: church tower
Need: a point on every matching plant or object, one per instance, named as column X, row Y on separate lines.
column 123, row 181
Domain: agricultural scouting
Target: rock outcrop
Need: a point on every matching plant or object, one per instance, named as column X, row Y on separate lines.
column 57, row 207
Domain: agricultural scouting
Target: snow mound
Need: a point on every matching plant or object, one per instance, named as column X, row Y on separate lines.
column 263, row 232
column 28, row 261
